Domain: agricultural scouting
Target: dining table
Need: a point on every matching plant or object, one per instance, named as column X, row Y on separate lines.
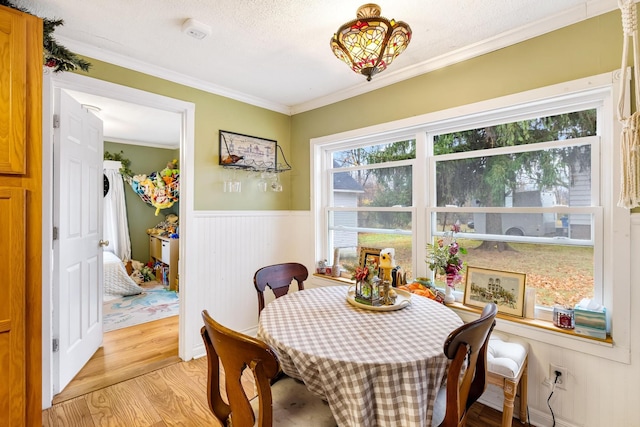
column 374, row 367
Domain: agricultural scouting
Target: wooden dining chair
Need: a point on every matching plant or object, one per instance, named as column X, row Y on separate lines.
column 278, row 277
column 466, row 347
column 287, row 402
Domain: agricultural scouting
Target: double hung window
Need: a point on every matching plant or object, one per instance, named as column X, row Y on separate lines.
column 530, row 180
column 370, row 200
column 525, row 195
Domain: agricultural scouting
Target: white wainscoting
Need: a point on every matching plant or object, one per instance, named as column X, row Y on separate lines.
column 599, row 392
column 231, row 246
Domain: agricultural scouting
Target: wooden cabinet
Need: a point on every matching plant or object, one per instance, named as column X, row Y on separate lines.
column 165, row 250
column 21, row 207
column 12, row 307
column 13, row 78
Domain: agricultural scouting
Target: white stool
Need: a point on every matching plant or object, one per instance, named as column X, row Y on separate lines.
column 507, row 363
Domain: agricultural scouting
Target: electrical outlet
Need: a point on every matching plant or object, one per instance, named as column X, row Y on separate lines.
column 562, row 379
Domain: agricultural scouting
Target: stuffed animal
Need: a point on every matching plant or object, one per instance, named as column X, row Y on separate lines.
column 171, row 169
column 137, row 275
column 171, row 218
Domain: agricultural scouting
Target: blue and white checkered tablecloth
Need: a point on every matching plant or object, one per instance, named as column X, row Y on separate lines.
column 374, row 368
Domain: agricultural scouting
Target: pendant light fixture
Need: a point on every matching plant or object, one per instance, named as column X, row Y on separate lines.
column 370, row 43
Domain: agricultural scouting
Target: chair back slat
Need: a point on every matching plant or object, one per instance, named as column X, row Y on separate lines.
column 278, row 277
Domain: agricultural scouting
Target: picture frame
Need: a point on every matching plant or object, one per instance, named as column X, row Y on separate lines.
column 247, row 152
column 369, row 254
column 505, row 288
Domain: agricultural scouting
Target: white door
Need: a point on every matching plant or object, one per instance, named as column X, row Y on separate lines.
column 77, row 215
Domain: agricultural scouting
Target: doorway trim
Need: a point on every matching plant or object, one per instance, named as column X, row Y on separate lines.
column 94, row 86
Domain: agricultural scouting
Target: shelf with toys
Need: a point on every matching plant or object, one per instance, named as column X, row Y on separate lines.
column 164, row 250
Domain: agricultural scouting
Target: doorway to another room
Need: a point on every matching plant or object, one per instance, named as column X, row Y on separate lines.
column 141, row 329
column 141, row 225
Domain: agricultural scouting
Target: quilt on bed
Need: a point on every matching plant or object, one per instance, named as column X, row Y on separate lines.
column 117, row 282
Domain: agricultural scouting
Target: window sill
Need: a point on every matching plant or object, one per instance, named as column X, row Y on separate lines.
column 535, row 323
column 337, row 280
column 531, row 329
column 545, row 332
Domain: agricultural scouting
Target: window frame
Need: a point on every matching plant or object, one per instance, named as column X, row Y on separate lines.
column 612, row 236
column 595, row 209
column 327, row 193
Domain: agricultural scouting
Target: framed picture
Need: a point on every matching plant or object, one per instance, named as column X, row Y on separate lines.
column 505, row 288
column 369, row 255
column 245, row 151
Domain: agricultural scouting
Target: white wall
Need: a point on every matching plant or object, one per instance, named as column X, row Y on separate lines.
column 233, row 245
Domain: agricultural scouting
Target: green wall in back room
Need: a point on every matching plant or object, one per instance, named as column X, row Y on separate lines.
column 140, row 215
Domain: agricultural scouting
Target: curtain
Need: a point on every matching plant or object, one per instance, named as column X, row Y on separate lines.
column 115, row 224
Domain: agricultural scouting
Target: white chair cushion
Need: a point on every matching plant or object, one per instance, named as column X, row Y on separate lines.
column 506, row 355
column 295, row 406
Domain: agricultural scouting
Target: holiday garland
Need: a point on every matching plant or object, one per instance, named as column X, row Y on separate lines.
column 56, row 56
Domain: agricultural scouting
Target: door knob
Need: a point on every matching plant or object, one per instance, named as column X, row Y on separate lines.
column 104, row 243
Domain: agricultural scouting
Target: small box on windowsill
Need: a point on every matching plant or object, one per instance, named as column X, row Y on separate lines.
column 594, row 319
column 591, row 332
column 563, row 317
column 590, row 320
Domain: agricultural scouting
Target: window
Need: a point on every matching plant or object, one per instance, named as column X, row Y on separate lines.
column 526, row 197
column 370, row 201
column 531, row 178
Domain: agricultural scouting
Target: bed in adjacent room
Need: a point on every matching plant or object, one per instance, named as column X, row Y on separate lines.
column 117, row 282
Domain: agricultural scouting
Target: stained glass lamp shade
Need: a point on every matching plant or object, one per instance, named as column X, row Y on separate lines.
column 370, row 43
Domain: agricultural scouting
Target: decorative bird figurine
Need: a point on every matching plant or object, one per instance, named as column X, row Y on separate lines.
column 387, row 262
column 231, row 159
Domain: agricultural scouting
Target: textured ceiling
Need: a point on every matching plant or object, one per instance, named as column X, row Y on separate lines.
column 275, row 53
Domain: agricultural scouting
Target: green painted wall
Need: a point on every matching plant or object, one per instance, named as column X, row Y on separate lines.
column 213, row 113
column 140, row 215
column 584, row 49
column 588, row 48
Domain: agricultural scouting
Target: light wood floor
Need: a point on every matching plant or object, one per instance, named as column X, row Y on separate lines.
column 170, row 396
column 483, row 416
column 174, row 395
column 126, row 353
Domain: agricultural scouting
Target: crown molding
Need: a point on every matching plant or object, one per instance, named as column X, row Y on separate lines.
column 535, row 29
column 500, row 41
column 134, row 64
